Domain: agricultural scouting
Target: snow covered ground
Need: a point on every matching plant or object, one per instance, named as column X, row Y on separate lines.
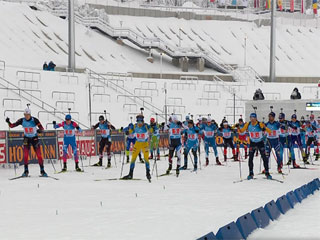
column 77, row 207
column 300, row 223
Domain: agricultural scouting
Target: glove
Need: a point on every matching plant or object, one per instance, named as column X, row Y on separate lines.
column 39, row 131
column 121, row 129
column 80, row 130
column 8, row 120
column 54, row 123
column 127, row 132
column 237, row 125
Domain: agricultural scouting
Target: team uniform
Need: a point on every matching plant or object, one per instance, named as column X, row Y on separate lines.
column 69, row 139
column 311, row 132
column 130, row 140
column 227, row 135
column 256, row 142
column 285, row 140
column 31, row 128
column 141, row 132
column 191, row 144
column 273, row 142
column 294, row 130
column 175, row 131
column 242, row 139
column 154, row 141
column 209, row 132
column 105, row 129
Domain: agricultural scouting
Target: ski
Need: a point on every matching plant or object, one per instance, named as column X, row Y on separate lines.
column 69, row 172
column 165, row 174
column 48, row 177
column 241, row 180
column 18, row 177
column 274, row 179
column 114, row 179
column 305, row 168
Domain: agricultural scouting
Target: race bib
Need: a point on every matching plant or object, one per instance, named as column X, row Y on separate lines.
column 255, row 135
column 141, row 135
column 176, row 131
column 226, row 134
column 273, row 133
column 68, row 132
column 209, row 133
column 191, row 136
column 29, row 130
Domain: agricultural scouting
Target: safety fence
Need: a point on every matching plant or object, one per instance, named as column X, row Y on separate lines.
column 263, row 216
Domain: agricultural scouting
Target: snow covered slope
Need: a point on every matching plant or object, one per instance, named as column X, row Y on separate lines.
column 29, row 38
column 296, row 55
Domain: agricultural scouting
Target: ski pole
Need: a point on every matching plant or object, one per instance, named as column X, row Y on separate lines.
column 14, row 164
column 44, row 146
column 80, row 154
column 122, row 165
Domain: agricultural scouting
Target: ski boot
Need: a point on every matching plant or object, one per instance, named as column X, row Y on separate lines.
column 148, row 175
column 26, row 171
column 64, row 169
column 225, row 157
column 158, row 157
column 279, row 169
column 109, row 164
column 43, row 173
column 98, row 164
column 77, row 167
column 129, row 176
column 289, row 161
column 263, row 171
column 184, row 167
column 268, row 176
column 235, row 158
column 178, row 170
column 128, row 160
column 195, row 168
column 150, row 157
column 317, row 157
column 217, row 161
column 207, row 161
column 246, row 155
column 305, row 159
column 141, row 160
column 169, row 169
column 295, row 165
column 250, row 176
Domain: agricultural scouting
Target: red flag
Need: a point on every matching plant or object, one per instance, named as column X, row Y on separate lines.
column 302, row 7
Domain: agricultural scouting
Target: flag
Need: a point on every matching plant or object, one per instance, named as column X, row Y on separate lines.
column 315, row 7
column 302, row 7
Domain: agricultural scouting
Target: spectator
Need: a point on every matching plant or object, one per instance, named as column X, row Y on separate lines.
column 51, row 66
column 45, row 66
column 295, row 94
column 258, row 95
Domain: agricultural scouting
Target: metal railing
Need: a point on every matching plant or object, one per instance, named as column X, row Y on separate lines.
column 137, row 99
column 26, row 75
column 34, row 100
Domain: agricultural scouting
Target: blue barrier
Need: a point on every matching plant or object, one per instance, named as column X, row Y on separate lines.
column 292, row 199
column 312, row 186
column 230, row 231
column 283, row 204
column 272, row 210
column 317, row 181
column 209, row 236
column 306, row 190
column 246, row 225
column 299, row 194
column 260, row 217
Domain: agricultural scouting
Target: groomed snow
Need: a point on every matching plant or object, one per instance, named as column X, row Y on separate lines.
column 77, row 207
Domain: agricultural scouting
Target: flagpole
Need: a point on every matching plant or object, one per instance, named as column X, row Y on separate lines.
column 272, row 43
